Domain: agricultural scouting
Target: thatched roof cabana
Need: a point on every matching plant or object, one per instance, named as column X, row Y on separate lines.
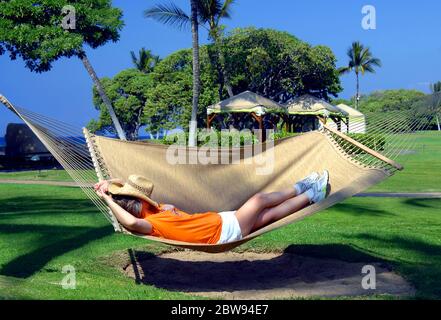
column 310, row 105
column 246, row 102
column 351, row 112
column 356, row 121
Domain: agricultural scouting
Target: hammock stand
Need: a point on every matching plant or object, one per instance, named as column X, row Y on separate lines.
column 353, row 168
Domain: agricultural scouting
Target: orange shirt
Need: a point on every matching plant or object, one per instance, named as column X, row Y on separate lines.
column 177, row 225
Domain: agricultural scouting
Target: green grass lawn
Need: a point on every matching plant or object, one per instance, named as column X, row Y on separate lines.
column 43, row 175
column 422, row 169
column 44, row 228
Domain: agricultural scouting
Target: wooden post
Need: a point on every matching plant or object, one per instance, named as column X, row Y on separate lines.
column 286, row 119
column 337, row 121
column 210, row 119
column 259, row 120
column 322, row 119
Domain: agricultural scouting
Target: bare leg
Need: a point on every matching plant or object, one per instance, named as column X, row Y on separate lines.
column 281, row 211
column 248, row 214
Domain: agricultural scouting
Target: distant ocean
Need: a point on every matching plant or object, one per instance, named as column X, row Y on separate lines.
column 2, row 142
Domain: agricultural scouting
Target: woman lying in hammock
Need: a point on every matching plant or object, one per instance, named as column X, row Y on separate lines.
column 137, row 212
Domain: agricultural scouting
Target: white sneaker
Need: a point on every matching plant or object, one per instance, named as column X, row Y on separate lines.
column 307, row 183
column 320, row 188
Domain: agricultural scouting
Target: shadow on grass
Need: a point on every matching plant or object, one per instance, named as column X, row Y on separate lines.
column 42, row 230
column 11, row 207
column 432, row 251
column 303, row 264
column 420, row 261
column 424, row 203
column 54, row 243
column 358, row 210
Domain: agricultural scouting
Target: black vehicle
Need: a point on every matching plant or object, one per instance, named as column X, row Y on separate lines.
column 23, row 150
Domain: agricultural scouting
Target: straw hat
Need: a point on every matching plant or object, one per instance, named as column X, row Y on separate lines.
column 135, row 187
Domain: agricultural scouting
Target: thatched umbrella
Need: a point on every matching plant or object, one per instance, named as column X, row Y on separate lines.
column 308, row 105
column 246, row 102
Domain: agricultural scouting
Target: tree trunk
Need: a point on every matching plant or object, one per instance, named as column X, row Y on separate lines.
column 103, row 95
column 438, row 124
column 357, row 97
column 134, row 135
column 219, row 61
column 192, row 140
column 224, row 80
column 215, row 62
column 225, row 76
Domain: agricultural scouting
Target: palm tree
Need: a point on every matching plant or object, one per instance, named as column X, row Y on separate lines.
column 435, row 104
column 146, row 61
column 435, row 87
column 210, row 15
column 360, row 61
column 192, row 139
column 171, row 14
column 99, row 87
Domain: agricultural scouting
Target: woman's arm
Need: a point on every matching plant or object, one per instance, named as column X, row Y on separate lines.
column 125, row 218
column 104, row 185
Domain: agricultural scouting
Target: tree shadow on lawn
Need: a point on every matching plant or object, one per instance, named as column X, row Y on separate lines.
column 53, row 244
column 42, row 228
column 357, row 210
column 429, row 203
column 12, row 207
column 405, row 243
column 301, row 264
column 424, row 270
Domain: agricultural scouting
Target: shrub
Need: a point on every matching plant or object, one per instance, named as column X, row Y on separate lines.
column 220, row 138
column 283, row 134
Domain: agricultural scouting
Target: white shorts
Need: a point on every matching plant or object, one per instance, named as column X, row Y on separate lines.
column 230, row 228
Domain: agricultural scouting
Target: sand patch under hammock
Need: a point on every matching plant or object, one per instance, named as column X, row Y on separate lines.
column 261, row 275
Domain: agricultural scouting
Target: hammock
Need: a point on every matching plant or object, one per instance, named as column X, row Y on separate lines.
column 353, row 166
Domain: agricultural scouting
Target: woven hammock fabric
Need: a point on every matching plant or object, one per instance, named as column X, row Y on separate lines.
column 195, row 188
column 213, row 187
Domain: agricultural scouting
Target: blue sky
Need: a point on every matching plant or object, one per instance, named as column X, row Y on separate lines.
column 406, row 39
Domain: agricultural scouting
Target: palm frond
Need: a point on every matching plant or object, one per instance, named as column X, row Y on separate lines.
column 367, row 68
column 209, row 10
column 365, row 55
column 360, row 59
column 350, row 54
column 169, row 14
column 146, row 60
column 212, row 11
column 134, row 59
column 359, row 52
column 344, row 70
column 226, row 9
column 143, row 54
column 204, row 11
column 375, row 62
column 435, row 87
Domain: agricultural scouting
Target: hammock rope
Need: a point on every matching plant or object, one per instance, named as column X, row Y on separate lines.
column 397, row 128
column 357, row 161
